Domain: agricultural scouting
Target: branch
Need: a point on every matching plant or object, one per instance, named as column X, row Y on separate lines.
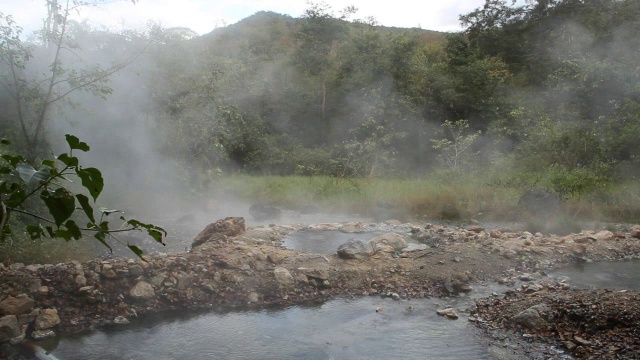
column 82, row 229
column 4, row 217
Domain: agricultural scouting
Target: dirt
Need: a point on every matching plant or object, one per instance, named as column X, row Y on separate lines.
column 252, row 269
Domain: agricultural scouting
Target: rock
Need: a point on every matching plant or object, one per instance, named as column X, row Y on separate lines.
column 384, row 242
column 142, row 291
column 635, row 231
column 26, row 319
column 283, row 276
column 20, row 304
column 581, row 240
column 395, row 296
column 275, row 258
column 43, row 290
column 603, row 235
column 120, row 320
column 47, row 319
column 353, row 228
column 353, row 249
column 535, row 318
column 43, row 334
column 220, row 230
column 450, row 313
column 476, row 229
column 9, row 328
column 495, row 234
column 261, row 212
column 81, row 280
column 415, row 247
column 253, row 297
column 136, row 270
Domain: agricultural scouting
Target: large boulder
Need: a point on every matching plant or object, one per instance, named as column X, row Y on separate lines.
column 261, row 212
column 354, row 249
column 389, row 242
column 220, row 231
column 20, row 304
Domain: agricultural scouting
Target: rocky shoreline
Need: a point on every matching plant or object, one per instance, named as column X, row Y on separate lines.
column 229, row 266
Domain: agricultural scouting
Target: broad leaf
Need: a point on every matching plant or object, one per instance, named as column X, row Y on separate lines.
column 91, row 180
column 70, row 161
column 4, row 141
column 49, row 163
column 101, row 236
column 61, row 204
column 75, row 143
column 136, row 250
column 73, row 229
column 86, row 207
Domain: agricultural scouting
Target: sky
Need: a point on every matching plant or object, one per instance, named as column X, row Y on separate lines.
column 203, row 16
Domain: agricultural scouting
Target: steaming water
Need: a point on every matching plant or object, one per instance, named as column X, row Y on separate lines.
column 339, row 329
column 618, row 275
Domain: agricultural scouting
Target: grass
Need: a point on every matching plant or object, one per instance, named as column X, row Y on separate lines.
column 427, row 198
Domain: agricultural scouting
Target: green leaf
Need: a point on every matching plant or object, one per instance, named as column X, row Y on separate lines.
column 136, row 250
column 61, row 204
column 49, row 163
column 156, row 232
column 73, row 229
column 13, row 160
column 91, row 180
column 70, row 161
column 76, row 144
column 4, row 141
column 101, row 236
column 86, row 207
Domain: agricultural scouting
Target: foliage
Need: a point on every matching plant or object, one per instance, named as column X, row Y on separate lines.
column 455, row 149
column 51, row 183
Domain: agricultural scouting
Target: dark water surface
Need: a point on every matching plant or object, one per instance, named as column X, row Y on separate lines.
column 338, row 329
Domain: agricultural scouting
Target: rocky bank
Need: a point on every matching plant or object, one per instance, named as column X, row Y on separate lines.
column 230, row 266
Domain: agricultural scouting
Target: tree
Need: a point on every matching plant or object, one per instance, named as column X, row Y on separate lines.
column 38, row 84
column 455, row 147
column 319, row 36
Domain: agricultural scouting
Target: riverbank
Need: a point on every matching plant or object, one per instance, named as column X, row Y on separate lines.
column 233, row 267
